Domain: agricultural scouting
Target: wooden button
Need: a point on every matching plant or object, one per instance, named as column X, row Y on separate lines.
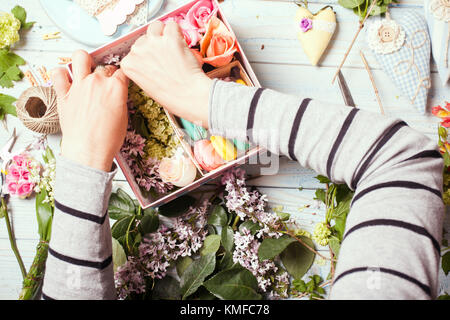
column 386, row 34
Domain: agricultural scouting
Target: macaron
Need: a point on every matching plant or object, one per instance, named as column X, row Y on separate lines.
column 206, row 155
column 224, row 148
column 194, row 131
column 241, row 145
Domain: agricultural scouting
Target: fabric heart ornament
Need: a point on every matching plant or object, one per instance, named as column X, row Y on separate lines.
column 402, row 47
column 437, row 13
column 315, row 31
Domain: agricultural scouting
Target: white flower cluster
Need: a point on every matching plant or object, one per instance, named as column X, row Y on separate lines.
column 46, row 180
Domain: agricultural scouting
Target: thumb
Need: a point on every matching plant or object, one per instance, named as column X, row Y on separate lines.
column 61, row 83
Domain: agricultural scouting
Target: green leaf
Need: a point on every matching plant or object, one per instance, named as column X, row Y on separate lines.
column 210, row 245
column 227, row 261
column 182, row 264
column 350, row 4
column 196, row 273
column 218, row 216
column 446, row 262
column 177, row 207
column 119, row 257
column 377, row 10
column 44, row 214
column 299, row 285
column 323, row 179
column 228, row 238
column 271, row 247
column 251, row 226
column 339, row 226
column 297, row 259
column 9, row 71
column 121, row 205
column 320, row 195
column 166, row 289
column 234, row 284
column 444, row 296
column 335, row 245
column 6, row 104
column 21, row 15
column 120, row 227
column 149, row 223
column 283, row 215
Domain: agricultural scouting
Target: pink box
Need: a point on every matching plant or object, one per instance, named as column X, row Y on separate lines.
column 122, row 46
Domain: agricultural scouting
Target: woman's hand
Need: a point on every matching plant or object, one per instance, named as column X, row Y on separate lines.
column 92, row 111
column 163, row 66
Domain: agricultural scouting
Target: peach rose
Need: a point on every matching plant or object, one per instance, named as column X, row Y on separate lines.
column 200, row 13
column 218, row 44
column 179, row 171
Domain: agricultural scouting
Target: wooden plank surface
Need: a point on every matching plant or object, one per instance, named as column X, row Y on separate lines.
column 267, row 32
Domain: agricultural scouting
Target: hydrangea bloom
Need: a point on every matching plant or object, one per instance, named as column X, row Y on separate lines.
column 9, row 29
column 321, row 233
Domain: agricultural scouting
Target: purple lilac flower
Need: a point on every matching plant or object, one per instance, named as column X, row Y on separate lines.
column 158, row 249
column 305, row 24
column 250, row 204
column 246, row 254
column 145, row 171
column 128, row 279
column 112, row 59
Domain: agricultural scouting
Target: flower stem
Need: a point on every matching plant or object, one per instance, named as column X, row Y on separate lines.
column 4, row 209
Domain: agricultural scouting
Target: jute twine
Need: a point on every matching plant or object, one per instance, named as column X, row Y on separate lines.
column 36, row 108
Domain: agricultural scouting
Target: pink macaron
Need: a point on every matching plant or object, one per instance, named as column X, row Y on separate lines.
column 206, row 155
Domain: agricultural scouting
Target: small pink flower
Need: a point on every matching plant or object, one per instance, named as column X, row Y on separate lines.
column 12, row 187
column 20, row 160
column 24, row 189
column 24, row 173
column 306, row 24
column 200, row 13
column 14, row 172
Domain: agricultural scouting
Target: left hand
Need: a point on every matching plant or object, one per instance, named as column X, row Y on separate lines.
column 92, row 111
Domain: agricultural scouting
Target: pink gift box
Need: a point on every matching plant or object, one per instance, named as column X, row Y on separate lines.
column 122, row 46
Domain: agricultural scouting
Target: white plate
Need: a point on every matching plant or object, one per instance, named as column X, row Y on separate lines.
column 81, row 27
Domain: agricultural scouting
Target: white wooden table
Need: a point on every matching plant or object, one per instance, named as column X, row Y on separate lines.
column 266, row 31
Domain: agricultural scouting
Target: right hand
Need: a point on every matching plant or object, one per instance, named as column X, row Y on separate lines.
column 164, row 67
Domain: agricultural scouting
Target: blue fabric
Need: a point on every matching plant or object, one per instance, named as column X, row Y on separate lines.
column 438, row 34
column 400, row 65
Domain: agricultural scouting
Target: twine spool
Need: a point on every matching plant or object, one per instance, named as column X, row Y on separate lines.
column 36, row 108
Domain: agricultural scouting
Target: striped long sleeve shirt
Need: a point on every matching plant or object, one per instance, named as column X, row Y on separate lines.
column 391, row 246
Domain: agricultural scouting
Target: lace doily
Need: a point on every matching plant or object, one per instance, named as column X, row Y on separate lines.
column 440, row 9
column 94, row 7
column 139, row 16
column 323, row 25
column 385, row 36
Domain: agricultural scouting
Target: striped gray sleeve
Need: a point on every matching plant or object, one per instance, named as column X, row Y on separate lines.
column 391, row 244
column 79, row 264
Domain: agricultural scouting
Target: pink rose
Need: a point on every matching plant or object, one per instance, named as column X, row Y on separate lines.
column 14, row 171
column 24, row 173
column 306, row 24
column 179, row 171
column 200, row 13
column 24, row 189
column 12, row 187
column 190, row 31
column 20, row 160
column 218, row 45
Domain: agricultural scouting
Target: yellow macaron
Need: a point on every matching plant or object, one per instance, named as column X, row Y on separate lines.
column 224, row 148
